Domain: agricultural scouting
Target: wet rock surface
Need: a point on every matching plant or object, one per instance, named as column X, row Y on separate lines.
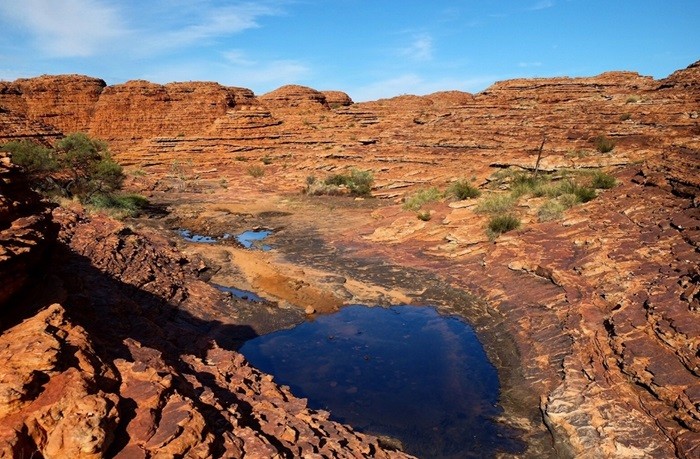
column 128, row 364
column 131, row 355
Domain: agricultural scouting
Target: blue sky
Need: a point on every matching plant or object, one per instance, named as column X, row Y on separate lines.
column 367, row 48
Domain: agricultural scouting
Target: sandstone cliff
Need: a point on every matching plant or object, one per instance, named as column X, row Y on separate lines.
column 602, row 304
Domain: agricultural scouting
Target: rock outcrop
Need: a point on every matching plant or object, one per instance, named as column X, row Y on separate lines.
column 602, row 305
column 25, row 230
column 130, row 354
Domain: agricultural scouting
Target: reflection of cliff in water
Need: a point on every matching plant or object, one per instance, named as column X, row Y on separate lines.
column 405, row 372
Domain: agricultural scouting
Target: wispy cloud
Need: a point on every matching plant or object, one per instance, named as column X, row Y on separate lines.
column 421, row 49
column 83, row 28
column 67, row 28
column 207, row 22
column 542, row 5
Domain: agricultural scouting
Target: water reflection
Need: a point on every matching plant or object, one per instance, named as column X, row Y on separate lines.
column 190, row 237
column 252, row 239
column 404, row 371
column 240, row 293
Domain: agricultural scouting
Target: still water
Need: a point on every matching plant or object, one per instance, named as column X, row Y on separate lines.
column 405, row 371
column 252, row 239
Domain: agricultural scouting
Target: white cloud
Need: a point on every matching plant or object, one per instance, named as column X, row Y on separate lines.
column 67, row 28
column 542, row 5
column 421, row 49
column 82, row 28
column 205, row 23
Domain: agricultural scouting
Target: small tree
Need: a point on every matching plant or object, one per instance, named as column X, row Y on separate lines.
column 38, row 162
column 78, row 166
column 89, row 165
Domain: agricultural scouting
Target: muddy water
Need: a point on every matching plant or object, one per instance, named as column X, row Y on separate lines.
column 405, row 372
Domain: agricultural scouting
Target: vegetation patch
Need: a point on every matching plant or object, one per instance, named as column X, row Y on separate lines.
column 604, row 144
column 551, row 210
column 119, row 205
column 462, row 190
column 496, row 203
column 255, row 171
column 563, row 190
column 77, row 167
column 602, row 181
column 500, row 224
column 356, row 182
column 421, row 197
column 424, row 215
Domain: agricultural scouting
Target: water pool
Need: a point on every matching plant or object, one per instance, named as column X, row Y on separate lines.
column 405, row 371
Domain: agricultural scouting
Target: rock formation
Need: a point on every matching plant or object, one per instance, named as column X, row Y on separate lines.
column 25, row 230
column 602, row 305
column 121, row 359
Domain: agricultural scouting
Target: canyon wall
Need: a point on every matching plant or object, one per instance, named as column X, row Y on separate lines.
column 602, row 304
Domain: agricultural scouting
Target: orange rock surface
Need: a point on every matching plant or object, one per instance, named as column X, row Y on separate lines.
column 601, row 306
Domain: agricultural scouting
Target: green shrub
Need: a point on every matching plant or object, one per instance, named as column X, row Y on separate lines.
column 568, row 200
column 603, row 144
column 584, row 194
column 633, row 99
column 551, row 210
column 523, row 184
column 266, row 160
column 462, row 190
column 256, row 171
column 424, row 215
column 34, row 158
column 78, row 166
column 416, row 201
column 129, row 205
column 625, row 116
column 602, row 181
column 361, row 182
column 500, row 224
column 358, row 182
column 337, row 180
column 496, row 203
column 550, row 190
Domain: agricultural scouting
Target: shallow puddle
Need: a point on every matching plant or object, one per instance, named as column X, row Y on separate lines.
column 190, row 237
column 406, row 372
column 241, row 294
column 253, row 239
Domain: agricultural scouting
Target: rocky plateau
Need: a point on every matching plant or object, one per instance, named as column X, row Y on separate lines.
column 115, row 343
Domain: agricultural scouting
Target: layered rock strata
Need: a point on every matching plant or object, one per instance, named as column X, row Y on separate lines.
column 602, row 304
